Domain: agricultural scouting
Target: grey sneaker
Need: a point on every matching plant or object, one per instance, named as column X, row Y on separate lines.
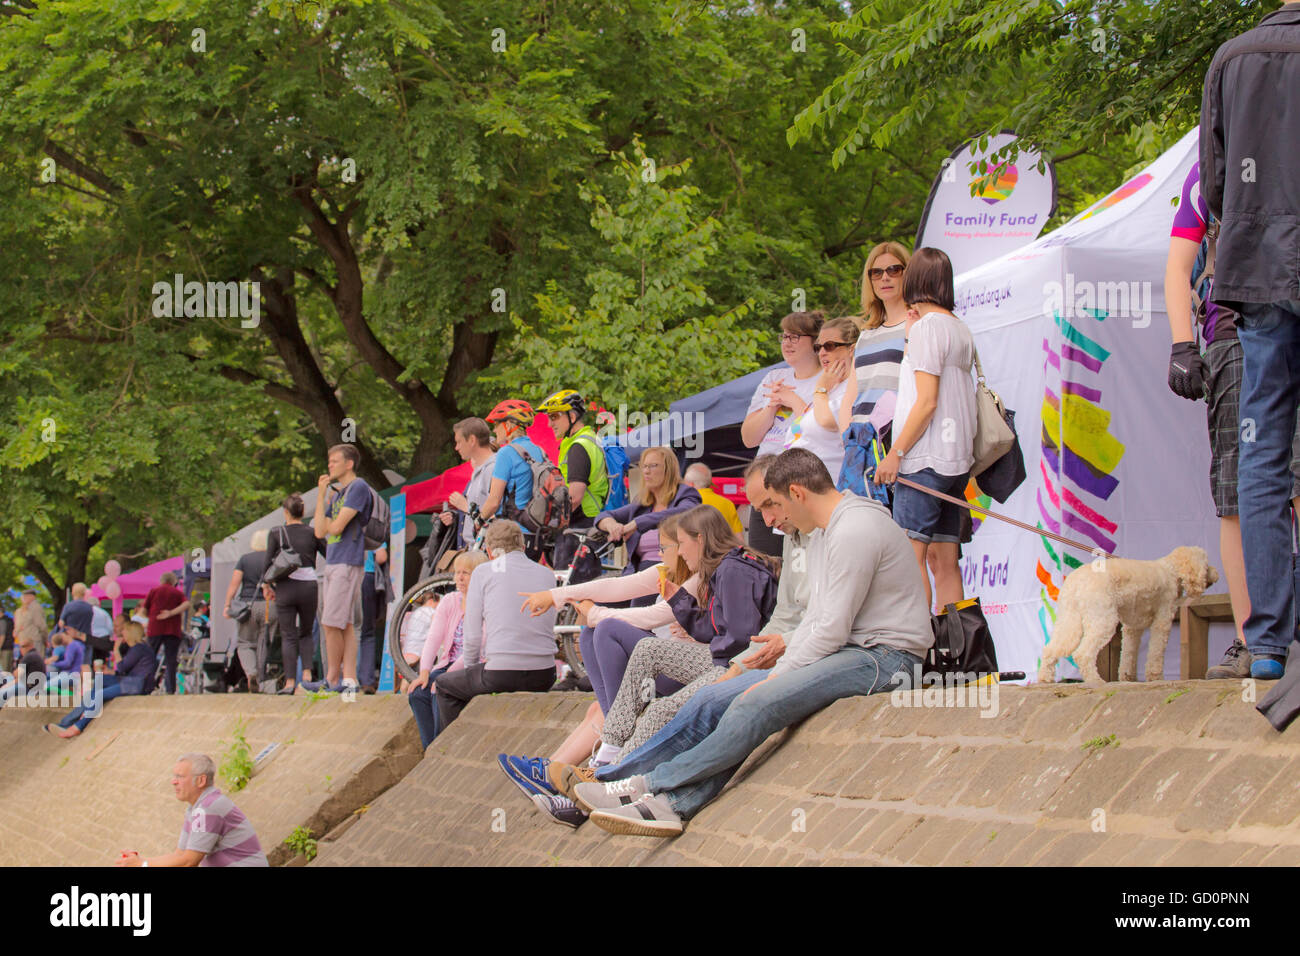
column 607, row 796
column 649, row 816
column 1234, row 666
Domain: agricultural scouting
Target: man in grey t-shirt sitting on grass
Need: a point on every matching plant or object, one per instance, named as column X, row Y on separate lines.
column 866, row 630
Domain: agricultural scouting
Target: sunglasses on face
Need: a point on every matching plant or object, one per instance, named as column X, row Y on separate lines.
column 893, row 272
column 827, row 346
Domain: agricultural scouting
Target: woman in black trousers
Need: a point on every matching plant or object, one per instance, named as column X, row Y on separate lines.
column 295, row 595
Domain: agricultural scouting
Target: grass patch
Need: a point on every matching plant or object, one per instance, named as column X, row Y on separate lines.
column 1100, row 743
column 1175, row 695
column 237, row 760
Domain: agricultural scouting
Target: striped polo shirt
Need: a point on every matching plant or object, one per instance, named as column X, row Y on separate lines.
column 218, row 829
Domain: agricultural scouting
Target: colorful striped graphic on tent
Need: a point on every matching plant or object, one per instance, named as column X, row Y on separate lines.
column 1079, row 454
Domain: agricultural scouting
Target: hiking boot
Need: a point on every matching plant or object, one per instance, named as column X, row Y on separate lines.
column 1234, row 666
column 564, row 777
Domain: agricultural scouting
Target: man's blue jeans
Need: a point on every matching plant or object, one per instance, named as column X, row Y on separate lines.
column 1270, row 390
column 689, row 726
column 693, row 778
column 114, row 687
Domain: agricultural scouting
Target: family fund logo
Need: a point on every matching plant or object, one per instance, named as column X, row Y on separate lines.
column 77, row 909
column 210, row 300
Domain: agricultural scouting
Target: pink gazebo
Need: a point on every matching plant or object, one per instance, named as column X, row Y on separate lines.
column 137, row 584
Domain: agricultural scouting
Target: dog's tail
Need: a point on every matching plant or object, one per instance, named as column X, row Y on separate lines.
column 1066, row 636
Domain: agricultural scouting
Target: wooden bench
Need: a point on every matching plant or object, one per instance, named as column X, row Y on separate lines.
column 1193, row 619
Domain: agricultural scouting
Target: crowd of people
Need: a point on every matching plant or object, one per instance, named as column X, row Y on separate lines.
column 719, row 633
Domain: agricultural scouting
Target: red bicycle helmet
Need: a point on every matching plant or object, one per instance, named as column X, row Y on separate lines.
column 512, row 410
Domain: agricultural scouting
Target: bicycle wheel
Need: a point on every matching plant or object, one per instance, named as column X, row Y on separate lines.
column 442, row 584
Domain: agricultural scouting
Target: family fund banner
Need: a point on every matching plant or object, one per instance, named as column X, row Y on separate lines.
column 1006, row 213
column 1073, row 334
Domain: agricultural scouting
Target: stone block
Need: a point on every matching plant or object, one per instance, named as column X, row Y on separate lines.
column 1279, row 804
column 1164, row 785
column 1228, row 794
column 1095, row 782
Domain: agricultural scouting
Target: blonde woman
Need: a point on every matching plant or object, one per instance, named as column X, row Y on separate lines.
column 884, row 335
column 663, row 493
column 443, row 642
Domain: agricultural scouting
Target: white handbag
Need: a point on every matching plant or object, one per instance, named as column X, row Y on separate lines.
column 993, row 436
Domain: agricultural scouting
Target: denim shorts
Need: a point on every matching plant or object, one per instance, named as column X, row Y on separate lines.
column 924, row 517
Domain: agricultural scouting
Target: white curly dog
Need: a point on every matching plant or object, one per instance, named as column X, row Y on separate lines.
column 1097, row 598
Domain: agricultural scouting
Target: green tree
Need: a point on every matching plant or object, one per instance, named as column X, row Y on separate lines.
column 1067, row 76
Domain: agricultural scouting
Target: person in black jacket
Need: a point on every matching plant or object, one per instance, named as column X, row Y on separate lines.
column 134, row 676
column 1251, row 183
column 294, row 595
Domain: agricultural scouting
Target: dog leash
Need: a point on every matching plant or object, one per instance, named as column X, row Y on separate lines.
column 971, row 506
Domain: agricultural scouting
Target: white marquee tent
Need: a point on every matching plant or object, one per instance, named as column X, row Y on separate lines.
column 1073, row 334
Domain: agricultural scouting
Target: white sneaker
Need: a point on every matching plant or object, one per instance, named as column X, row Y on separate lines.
column 606, row 796
column 650, row 816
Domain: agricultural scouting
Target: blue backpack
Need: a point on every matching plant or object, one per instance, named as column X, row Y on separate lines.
column 863, row 451
column 617, row 465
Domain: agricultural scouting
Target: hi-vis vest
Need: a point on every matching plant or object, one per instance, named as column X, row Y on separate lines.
column 598, row 487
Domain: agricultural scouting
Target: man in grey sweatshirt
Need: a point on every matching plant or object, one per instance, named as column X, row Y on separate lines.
column 505, row 648
column 866, row 630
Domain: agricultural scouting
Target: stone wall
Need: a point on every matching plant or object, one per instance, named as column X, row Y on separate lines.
column 82, row 802
column 1129, row 774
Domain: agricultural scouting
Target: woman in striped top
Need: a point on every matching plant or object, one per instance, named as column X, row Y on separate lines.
column 880, row 346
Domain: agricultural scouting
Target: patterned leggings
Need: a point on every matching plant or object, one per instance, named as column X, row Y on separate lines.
column 636, row 714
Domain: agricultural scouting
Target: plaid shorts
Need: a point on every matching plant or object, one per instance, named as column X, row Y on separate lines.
column 1224, row 362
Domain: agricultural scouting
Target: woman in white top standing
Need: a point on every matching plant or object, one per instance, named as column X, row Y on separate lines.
column 934, row 423
column 782, row 392
column 820, row 427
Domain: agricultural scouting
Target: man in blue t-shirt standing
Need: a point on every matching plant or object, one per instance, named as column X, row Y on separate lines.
column 512, row 477
column 341, row 521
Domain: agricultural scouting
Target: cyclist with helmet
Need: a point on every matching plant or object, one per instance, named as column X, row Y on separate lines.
column 582, row 459
column 511, row 487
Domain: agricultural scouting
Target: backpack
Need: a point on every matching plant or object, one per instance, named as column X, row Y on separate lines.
column 863, row 451
column 376, row 531
column 1203, row 277
column 617, row 465
column 549, row 507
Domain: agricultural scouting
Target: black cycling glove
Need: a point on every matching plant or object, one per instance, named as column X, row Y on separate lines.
column 1187, row 371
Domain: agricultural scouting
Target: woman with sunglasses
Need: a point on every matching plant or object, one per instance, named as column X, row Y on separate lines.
column 784, row 394
column 935, row 438
column 821, row 427
column 880, row 346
